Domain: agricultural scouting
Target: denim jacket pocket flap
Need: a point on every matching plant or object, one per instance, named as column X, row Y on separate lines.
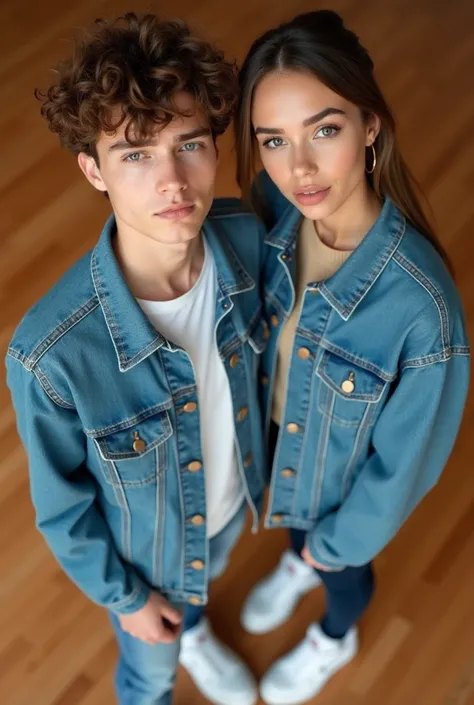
column 135, row 440
column 349, row 379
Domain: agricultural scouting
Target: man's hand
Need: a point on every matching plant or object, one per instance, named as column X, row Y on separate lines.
column 156, row 623
column 308, row 558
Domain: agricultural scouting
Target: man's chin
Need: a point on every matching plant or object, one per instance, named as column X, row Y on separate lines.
column 177, row 233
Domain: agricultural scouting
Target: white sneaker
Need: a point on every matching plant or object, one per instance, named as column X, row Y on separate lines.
column 273, row 599
column 302, row 673
column 218, row 673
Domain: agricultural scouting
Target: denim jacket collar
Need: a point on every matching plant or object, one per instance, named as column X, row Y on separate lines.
column 346, row 289
column 133, row 336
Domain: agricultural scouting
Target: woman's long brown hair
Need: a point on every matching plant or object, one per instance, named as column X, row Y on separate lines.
column 319, row 43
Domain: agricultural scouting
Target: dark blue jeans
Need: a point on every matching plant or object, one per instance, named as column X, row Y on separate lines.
column 348, row 591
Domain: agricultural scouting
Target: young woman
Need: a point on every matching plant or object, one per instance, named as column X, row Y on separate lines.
column 366, row 371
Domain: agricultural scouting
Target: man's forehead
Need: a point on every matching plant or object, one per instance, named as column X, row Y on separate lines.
column 192, row 117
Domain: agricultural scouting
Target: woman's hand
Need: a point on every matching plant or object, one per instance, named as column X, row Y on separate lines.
column 308, row 558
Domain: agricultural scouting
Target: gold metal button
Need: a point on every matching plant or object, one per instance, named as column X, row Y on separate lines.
column 197, row 565
column 139, row 444
column 274, row 320
column 264, row 379
column 266, row 330
column 197, row 520
column 194, row 466
column 348, row 385
column 248, row 460
column 304, row 353
column 242, row 413
column 292, row 428
column 277, row 518
column 234, row 360
column 190, row 407
column 287, row 472
column 194, row 601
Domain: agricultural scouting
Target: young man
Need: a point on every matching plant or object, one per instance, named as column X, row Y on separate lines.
column 134, row 379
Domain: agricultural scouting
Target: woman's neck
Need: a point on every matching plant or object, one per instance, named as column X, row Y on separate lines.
column 346, row 228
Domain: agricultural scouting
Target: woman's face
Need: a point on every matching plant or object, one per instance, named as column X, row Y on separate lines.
column 312, row 141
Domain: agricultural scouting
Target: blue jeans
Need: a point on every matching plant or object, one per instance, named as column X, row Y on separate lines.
column 146, row 674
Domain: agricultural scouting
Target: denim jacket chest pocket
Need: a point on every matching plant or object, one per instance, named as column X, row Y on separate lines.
column 134, row 453
column 348, row 392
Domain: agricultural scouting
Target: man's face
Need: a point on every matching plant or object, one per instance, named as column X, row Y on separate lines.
column 162, row 189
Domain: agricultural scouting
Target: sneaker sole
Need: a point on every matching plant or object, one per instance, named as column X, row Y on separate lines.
column 327, row 677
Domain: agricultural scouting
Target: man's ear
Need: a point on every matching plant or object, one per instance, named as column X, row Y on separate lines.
column 89, row 168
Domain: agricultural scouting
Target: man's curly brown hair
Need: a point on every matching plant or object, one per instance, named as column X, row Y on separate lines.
column 128, row 70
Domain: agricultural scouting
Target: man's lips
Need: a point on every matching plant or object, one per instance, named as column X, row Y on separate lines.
column 177, row 211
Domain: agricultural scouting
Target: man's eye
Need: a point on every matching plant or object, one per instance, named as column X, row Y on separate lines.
column 134, row 157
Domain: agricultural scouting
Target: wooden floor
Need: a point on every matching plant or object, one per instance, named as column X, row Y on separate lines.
column 418, row 636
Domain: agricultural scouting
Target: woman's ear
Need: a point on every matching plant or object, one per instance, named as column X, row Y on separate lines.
column 372, row 130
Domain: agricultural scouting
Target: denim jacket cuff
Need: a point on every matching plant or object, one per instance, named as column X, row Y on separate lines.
column 134, row 602
column 319, row 554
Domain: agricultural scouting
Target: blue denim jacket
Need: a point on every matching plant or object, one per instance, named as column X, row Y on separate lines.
column 376, row 397
column 87, row 372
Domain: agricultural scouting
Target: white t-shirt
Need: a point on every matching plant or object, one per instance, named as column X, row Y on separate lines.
column 189, row 321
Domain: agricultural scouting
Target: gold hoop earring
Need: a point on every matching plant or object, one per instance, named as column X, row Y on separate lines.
column 374, row 154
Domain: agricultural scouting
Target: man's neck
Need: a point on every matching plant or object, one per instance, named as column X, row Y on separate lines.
column 157, row 271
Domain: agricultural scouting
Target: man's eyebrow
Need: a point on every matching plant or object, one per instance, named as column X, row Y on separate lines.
column 193, row 134
column 137, row 144
column 123, row 144
column 309, row 121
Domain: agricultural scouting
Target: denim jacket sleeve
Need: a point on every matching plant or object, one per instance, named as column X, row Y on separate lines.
column 412, row 441
column 63, row 494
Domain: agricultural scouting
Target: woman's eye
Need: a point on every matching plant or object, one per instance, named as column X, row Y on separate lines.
column 273, row 143
column 327, row 131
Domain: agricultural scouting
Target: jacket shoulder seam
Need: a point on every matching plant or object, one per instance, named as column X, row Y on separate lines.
column 29, row 361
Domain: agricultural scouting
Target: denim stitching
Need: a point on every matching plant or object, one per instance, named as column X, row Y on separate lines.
column 444, row 356
column 161, row 463
column 132, row 455
column 185, row 392
column 350, row 357
column 321, row 457
column 132, row 362
column 331, row 414
column 50, row 391
column 109, row 319
column 299, row 472
column 377, row 269
column 60, row 330
column 424, row 282
column 131, row 421
column 361, row 432
column 11, row 352
column 125, row 518
column 370, row 398
column 136, row 592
